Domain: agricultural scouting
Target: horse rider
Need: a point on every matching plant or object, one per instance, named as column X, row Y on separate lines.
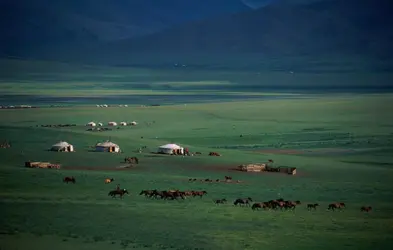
column 118, row 187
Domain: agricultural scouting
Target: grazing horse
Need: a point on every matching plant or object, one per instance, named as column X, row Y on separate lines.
column 366, row 209
column 131, row 160
column 312, row 206
column 107, row 180
column 241, row 202
column 335, row 206
column 69, row 179
column 120, row 192
column 220, row 201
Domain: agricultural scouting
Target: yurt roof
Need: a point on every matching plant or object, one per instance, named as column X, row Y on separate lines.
column 91, row 123
column 107, row 144
column 61, row 144
column 171, row 146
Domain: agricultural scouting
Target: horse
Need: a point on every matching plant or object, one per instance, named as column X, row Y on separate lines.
column 220, row 201
column 69, row 179
column 149, row 193
column 107, row 180
column 241, row 202
column 120, row 192
column 259, row 205
column 131, row 160
column 228, row 178
column 199, row 193
column 312, row 206
column 335, row 206
column 366, row 209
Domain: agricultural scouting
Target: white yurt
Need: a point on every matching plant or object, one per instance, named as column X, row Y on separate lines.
column 123, row 124
column 100, row 124
column 169, row 149
column 62, row 146
column 107, row 147
column 112, row 123
column 133, row 123
column 91, row 124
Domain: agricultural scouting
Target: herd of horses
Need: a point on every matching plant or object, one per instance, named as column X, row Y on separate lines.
column 277, row 204
column 171, row 194
column 227, row 179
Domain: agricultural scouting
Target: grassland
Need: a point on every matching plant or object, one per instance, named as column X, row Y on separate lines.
column 40, row 212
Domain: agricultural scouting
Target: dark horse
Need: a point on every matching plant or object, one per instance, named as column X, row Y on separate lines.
column 241, row 202
column 120, row 192
column 220, row 201
column 366, row 209
column 69, row 179
column 132, row 160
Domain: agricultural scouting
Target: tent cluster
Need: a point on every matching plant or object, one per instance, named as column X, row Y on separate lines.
column 112, row 124
column 108, row 146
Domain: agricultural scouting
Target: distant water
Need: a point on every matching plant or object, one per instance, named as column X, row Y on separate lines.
column 36, row 100
column 246, row 90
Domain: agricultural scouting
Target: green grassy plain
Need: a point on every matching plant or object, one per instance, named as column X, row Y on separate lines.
column 41, row 212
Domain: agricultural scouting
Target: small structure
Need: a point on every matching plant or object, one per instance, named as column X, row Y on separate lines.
column 91, row 124
column 107, row 147
column 123, row 124
column 39, row 164
column 112, row 123
column 62, row 146
column 170, row 149
column 256, row 167
column 100, row 124
column 265, row 168
column 133, row 123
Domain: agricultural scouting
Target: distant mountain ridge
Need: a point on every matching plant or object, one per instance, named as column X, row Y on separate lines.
column 352, row 27
column 237, row 34
column 31, row 27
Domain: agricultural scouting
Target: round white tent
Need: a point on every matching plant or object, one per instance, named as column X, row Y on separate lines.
column 107, row 147
column 133, row 123
column 170, row 149
column 112, row 123
column 91, row 124
column 62, row 146
column 123, row 124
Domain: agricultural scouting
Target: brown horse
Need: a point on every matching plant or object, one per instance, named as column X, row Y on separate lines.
column 199, row 193
column 335, row 206
column 132, row 160
column 120, row 192
column 366, row 209
column 107, row 180
column 259, row 205
column 68, row 179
